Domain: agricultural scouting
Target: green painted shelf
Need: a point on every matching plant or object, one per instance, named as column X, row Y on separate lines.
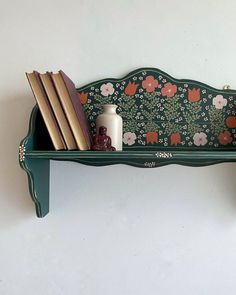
column 138, row 158
column 172, row 122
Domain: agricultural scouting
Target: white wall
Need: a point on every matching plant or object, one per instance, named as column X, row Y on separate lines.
column 169, row 230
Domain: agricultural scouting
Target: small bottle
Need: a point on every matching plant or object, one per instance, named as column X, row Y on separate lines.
column 114, row 124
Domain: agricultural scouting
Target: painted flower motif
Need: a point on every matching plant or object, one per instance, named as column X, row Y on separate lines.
column 83, row 97
column 131, row 89
column 129, row 138
column 225, row 138
column 152, row 137
column 200, row 138
column 231, row 121
column 219, row 101
column 175, row 139
column 107, row 89
column 169, row 90
column 194, row 95
column 150, row 84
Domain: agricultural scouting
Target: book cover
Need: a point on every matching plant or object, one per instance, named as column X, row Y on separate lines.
column 73, row 109
column 78, row 107
column 46, row 110
column 58, row 111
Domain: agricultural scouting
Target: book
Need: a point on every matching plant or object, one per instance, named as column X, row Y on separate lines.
column 46, row 110
column 73, row 109
column 58, row 111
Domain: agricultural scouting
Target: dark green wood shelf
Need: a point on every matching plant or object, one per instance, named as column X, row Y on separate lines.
column 136, row 158
column 159, row 140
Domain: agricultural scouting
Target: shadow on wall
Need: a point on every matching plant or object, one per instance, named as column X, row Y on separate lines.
column 227, row 180
column 14, row 196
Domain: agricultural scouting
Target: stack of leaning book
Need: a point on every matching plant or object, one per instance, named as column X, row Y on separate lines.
column 62, row 112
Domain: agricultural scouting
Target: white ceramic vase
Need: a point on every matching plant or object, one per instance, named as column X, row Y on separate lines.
column 114, row 124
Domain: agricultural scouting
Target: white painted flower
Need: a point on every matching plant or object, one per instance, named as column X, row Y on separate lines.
column 200, row 138
column 219, row 101
column 107, row 89
column 129, row 138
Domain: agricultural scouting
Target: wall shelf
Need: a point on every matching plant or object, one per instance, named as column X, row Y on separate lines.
column 193, row 124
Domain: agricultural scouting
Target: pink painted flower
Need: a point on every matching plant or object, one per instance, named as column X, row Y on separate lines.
column 219, row 101
column 150, row 84
column 200, row 138
column 169, row 90
column 129, row 138
column 107, row 89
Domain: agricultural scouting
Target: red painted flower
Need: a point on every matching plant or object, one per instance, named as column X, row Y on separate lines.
column 152, row 137
column 83, row 97
column 231, row 121
column 194, row 94
column 169, row 90
column 150, row 84
column 175, row 139
column 131, row 89
column 225, row 138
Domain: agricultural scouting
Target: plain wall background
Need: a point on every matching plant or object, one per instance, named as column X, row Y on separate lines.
column 115, row 230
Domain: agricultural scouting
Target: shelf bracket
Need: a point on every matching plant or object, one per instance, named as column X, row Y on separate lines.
column 38, row 172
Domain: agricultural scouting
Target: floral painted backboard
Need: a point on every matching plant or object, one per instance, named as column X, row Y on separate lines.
column 160, row 111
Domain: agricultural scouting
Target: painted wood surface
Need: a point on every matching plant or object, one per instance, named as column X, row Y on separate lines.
column 166, row 121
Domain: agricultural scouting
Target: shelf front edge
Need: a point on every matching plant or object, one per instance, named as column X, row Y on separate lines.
column 167, row 155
